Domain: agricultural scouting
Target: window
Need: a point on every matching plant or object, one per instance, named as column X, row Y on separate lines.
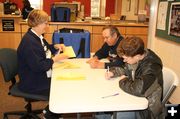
column 98, row 8
column 36, row 4
column 95, row 8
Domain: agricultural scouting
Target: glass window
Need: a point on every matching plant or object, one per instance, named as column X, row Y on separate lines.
column 98, row 8
column 36, row 4
column 95, row 8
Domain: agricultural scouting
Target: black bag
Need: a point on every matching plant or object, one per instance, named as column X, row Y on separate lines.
column 79, row 39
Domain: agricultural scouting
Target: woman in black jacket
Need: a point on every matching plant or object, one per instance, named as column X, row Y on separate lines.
column 36, row 57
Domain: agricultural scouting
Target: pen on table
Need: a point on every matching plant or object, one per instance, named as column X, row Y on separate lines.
column 110, row 95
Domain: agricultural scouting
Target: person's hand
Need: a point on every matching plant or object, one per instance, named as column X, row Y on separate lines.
column 59, row 57
column 122, row 77
column 96, row 64
column 93, row 59
column 108, row 75
column 61, row 47
column 89, row 61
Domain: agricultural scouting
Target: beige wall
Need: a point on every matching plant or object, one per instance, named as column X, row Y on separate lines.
column 167, row 50
column 128, row 13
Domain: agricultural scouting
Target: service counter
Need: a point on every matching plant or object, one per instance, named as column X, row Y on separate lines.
column 12, row 38
column 10, row 33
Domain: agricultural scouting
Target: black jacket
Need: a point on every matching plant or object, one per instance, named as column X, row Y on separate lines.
column 33, row 63
column 147, row 82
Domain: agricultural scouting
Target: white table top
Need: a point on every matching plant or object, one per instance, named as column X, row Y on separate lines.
column 73, row 96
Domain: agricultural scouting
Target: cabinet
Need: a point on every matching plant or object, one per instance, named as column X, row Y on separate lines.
column 9, row 40
column 12, row 39
column 95, row 30
column 139, row 32
column 97, row 40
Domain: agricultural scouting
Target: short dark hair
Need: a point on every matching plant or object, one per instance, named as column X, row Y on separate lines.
column 112, row 29
column 131, row 46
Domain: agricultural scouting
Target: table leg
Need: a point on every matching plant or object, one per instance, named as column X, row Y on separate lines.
column 78, row 116
column 114, row 115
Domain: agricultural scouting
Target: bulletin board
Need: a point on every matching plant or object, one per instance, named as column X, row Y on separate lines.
column 168, row 20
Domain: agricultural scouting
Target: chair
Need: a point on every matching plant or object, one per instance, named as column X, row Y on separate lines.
column 9, row 66
column 170, row 83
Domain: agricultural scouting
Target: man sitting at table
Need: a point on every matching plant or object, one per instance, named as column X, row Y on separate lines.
column 112, row 38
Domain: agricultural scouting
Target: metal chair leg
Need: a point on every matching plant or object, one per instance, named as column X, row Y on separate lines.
column 78, row 116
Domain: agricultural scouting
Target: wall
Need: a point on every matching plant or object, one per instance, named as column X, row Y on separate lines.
column 136, row 6
column 110, row 5
column 167, row 50
column 129, row 14
column 86, row 4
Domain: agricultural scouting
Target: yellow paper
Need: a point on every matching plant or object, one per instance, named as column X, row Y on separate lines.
column 61, row 65
column 69, row 51
column 71, row 76
column 66, row 65
column 71, row 66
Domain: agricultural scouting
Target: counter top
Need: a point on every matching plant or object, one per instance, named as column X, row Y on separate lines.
column 87, row 23
column 97, row 23
column 10, row 16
